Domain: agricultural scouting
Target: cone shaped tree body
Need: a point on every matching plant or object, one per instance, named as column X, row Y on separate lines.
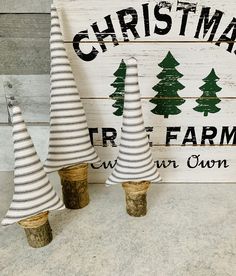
column 119, row 85
column 208, row 100
column 69, row 141
column 167, row 99
column 33, row 193
column 134, row 162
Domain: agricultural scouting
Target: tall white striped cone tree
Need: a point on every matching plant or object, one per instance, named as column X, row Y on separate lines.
column 70, row 148
column 135, row 167
column 33, row 196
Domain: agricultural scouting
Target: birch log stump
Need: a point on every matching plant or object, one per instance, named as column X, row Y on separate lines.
column 38, row 230
column 136, row 197
column 75, row 186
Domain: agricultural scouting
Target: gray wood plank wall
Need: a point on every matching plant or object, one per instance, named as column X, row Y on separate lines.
column 24, row 38
column 25, row 6
column 24, row 67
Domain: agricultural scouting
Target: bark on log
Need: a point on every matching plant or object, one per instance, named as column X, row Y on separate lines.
column 136, row 197
column 75, row 186
column 38, row 230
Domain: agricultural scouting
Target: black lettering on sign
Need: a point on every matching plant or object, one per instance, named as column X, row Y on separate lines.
column 131, row 25
column 105, row 165
column 209, row 133
column 91, row 132
column 163, row 17
column 194, row 161
column 106, row 137
column 214, row 21
column 76, row 44
column 128, row 19
column 170, row 136
column 146, row 19
column 229, row 40
column 208, row 136
column 186, row 7
column 165, row 164
column 103, row 34
column 225, row 135
column 190, row 136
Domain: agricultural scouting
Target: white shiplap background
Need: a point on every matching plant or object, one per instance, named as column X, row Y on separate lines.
column 25, row 66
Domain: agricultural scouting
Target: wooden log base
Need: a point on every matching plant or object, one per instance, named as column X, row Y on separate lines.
column 75, row 186
column 38, row 230
column 136, row 197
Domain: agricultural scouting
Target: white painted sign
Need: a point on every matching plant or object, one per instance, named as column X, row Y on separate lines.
column 186, row 58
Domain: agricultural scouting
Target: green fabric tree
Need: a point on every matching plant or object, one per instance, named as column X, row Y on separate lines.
column 167, row 99
column 119, row 85
column 207, row 102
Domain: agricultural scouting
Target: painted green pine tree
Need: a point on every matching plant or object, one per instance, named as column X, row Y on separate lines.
column 167, row 98
column 119, row 85
column 208, row 101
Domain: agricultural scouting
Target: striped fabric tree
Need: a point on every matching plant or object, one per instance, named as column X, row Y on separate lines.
column 135, row 167
column 70, row 148
column 33, row 195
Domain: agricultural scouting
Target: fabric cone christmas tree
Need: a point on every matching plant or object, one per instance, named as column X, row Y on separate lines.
column 69, row 141
column 70, row 149
column 33, row 192
column 33, row 196
column 135, row 167
column 134, row 161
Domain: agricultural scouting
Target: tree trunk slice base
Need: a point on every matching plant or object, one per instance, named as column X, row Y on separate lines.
column 136, row 197
column 75, row 186
column 38, row 230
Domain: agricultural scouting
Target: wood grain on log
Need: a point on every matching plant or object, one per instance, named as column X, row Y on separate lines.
column 39, row 237
column 136, row 197
column 37, row 229
column 75, row 186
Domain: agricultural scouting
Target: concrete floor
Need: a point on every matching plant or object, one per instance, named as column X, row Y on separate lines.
column 190, row 230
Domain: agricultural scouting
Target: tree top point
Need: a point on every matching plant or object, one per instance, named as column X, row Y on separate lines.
column 212, row 75
column 169, row 61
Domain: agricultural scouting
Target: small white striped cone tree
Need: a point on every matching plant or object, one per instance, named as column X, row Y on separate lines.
column 70, row 149
column 135, row 167
column 34, row 195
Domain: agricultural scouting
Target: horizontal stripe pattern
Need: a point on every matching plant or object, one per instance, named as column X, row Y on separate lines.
column 134, row 162
column 33, row 193
column 69, row 141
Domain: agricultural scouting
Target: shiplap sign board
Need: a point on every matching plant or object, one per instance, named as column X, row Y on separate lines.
column 187, row 77
column 190, row 121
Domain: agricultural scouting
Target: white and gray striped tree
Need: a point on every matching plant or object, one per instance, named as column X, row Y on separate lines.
column 69, row 141
column 33, row 192
column 135, row 166
column 70, row 148
column 33, row 196
column 134, row 161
